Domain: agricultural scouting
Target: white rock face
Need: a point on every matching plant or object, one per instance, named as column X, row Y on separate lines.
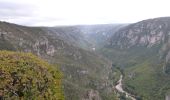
column 167, row 97
column 42, row 45
column 92, row 95
column 21, row 41
column 141, row 34
column 50, row 50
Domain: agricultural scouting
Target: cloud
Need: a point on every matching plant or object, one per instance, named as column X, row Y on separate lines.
column 70, row 12
column 19, row 9
column 12, row 10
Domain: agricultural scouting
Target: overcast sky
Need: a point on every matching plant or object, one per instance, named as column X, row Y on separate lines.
column 73, row 12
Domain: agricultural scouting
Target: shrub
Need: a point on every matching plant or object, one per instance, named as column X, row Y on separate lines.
column 26, row 77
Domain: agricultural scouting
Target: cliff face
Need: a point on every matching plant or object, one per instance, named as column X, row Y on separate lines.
column 145, row 33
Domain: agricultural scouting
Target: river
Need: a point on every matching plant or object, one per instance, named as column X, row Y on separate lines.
column 120, row 89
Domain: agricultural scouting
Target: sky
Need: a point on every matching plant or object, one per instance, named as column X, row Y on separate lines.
column 76, row 12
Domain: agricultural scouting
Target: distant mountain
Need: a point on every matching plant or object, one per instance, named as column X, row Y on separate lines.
column 72, row 35
column 142, row 50
column 98, row 35
column 85, row 36
column 86, row 74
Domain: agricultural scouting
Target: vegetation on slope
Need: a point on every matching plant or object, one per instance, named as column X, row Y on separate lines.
column 147, row 80
column 25, row 76
column 143, row 71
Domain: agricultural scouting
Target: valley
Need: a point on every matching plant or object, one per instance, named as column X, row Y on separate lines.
column 132, row 58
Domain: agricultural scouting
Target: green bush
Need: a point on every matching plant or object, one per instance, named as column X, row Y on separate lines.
column 26, row 77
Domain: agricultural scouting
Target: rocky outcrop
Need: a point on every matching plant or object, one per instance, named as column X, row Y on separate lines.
column 92, row 95
column 44, row 46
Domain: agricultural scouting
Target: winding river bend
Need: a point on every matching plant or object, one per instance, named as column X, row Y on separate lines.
column 120, row 89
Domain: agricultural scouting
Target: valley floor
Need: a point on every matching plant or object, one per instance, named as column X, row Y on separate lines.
column 119, row 88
